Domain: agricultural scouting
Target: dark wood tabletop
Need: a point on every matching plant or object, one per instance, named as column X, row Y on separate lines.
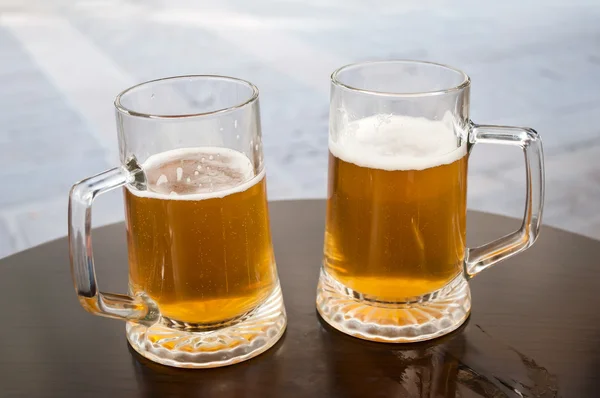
column 534, row 329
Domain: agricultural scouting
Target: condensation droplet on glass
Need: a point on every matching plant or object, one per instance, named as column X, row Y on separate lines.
column 162, row 179
column 196, row 172
column 237, row 137
column 188, row 180
column 152, row 96
column 199, row 167
column 221, row 129
column 202, row 160
column 251, row 142
column 211, row 157
column 235, row 124
column 256, row 147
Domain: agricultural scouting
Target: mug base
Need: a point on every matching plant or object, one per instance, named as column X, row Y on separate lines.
column 251, row 335
column 428, row 317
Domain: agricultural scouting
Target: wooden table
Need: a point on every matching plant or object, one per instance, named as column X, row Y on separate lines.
column 535, row 328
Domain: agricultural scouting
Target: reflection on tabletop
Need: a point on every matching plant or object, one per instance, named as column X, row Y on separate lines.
column 466, row 363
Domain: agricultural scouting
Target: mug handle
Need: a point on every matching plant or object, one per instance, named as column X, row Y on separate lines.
column 111, row 305
column 482, row 257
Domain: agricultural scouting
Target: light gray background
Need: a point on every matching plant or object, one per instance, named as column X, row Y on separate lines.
column 534, row 63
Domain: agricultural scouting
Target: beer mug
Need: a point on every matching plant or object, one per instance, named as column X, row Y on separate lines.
column 203, row 285
column 395, row 265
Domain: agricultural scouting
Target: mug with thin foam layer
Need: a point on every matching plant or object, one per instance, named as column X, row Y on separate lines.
column 203, row 285
column 396, row 265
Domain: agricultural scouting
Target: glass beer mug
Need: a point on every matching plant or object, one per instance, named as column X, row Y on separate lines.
column 395, row 265
column 203, row 285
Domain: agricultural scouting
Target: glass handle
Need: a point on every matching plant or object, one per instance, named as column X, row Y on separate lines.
column 80, row 249
column 480, row 258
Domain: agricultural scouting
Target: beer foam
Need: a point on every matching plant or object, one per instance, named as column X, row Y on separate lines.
column 236, row 172
column 390, row 142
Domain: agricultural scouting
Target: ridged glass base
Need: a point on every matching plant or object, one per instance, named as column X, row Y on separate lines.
column 250, row 336
column 421, row 319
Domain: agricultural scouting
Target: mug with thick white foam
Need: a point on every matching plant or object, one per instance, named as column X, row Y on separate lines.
column 203, row 285
column 396, row 265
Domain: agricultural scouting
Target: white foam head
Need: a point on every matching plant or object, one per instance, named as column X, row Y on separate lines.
column 392, row 142
column 210, row 172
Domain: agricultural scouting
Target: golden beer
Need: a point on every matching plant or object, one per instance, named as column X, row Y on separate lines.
column 199, row 238
column 396, row 208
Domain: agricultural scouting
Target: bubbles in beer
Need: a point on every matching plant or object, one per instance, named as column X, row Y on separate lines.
column 197, row 173
column 392, row 142
column 200, row 246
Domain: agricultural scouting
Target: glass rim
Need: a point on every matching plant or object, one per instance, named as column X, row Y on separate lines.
column 466, row 80
column 131, row 112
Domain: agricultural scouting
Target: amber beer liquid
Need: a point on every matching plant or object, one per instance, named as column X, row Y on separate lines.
column 199, row 239
column 396, row 208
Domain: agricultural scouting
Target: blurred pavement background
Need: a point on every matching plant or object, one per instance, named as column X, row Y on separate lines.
column 534, row 63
